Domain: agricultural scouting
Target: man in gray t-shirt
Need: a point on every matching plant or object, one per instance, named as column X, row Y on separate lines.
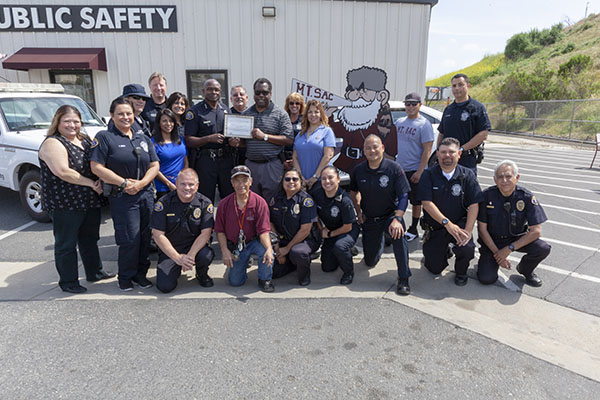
column 415, row 140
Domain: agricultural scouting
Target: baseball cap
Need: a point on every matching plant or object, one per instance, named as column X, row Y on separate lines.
column 241, row 170
column 413, row 97
column 134, row 89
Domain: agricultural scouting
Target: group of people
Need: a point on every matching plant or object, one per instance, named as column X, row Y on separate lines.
column 160, row 161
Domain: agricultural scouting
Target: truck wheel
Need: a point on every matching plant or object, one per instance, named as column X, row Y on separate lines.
column 30, row 190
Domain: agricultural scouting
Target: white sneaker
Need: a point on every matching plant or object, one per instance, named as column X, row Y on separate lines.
column 410, row 236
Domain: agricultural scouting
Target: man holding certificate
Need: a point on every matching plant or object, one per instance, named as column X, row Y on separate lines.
column 210, row 153
column 272, row 132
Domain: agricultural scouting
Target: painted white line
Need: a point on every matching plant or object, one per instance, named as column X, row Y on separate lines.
column 577, row 246
column 549, row 175
column 558, row 160
column 575, row 173
column 519, row 163
column 561, row 271
column 548, row 184
column 507, row 283
column 19, row 229
column 526, row 153
column 585, row 228
column 571, row 209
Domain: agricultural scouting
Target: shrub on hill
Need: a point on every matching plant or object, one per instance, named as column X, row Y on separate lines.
column 523, row 45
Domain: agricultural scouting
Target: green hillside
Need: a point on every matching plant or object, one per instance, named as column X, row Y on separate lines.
column 488, row 75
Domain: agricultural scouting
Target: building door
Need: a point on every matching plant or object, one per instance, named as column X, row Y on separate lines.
column 78, row 83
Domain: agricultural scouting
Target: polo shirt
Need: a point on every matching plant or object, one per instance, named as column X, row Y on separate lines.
column 310, row 150
column 256, row 220
column 272, row 121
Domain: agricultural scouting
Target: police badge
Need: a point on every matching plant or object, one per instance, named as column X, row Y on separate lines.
column 383, row 181
column 197, row 213
column 464, row 116
column 520, row 205
column 334, row 211
column 144, row 145
column 296, row 209
column 456, row 190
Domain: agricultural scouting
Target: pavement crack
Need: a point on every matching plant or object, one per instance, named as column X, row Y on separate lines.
column 570, row 274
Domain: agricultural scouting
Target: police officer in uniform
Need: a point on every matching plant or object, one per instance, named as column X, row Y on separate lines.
column 510, row 219
column 339, row 228
column 182, row 224
column 467, row 120
column 450, row 195
column 210, row 154
column 379, row 191
column 293, row 213
column 126, row 163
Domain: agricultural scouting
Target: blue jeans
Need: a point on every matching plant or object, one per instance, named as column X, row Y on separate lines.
column 238, row 275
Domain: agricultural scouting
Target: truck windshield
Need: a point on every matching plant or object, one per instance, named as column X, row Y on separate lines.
column 28, row 113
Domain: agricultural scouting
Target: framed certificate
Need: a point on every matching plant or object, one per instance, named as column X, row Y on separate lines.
column 239, row 126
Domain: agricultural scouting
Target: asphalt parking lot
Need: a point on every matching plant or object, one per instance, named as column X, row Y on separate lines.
column 323, row 341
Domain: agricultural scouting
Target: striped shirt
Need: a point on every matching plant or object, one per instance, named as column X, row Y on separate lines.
column 272, row 121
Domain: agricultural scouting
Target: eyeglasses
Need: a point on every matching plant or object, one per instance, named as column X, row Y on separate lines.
column 411, row 103
column 262, row 92
column 291, row 179
column 295, row 103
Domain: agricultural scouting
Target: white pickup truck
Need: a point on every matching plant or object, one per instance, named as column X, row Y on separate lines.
column 26, row 111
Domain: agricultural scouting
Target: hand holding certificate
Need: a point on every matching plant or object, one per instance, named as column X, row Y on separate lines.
column 239, row 126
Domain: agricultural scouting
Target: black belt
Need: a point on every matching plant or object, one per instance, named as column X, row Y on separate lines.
column 354, row 152
column 215, row 153
column 376, row 219
column 263, row 161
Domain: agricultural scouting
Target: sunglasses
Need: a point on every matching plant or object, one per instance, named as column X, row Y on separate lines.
column 295, row 103
column 138, row 98
column 411, row 103
column 291, row 179
column 261, row 92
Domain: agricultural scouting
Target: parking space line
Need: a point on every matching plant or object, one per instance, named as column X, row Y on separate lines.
column 571, row 209
column 585, row 228
column 575, row 173
column 548, row 184
column 577, row 246
column 548, row 176
column 562, row 271
column 547, row 166
column 16, row 230
column 547, row 160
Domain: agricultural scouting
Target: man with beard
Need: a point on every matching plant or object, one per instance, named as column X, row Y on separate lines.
column 450, row 195
column 369, row 97
column 213, row 158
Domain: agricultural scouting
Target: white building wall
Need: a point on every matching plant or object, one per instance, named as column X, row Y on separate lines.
column 316, row 41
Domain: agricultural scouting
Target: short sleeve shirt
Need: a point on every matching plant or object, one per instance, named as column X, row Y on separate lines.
column 203, row 120
column 412, row 133
column 272, row 121
column 334, row 211
column 255, row 221
column 310, row 150
column 288, row 215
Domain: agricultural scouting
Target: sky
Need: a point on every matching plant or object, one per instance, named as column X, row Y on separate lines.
column 462, row 32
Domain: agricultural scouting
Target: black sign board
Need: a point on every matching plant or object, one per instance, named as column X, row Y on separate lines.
column 57, row 18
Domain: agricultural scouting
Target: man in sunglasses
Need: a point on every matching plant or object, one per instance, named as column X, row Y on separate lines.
column 272, row 132
column 415, row 140
column 467, row 120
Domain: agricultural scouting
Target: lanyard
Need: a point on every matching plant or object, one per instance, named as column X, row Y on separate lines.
column 241, row 222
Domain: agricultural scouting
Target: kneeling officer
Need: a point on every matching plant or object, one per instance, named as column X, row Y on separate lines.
column 510, row 219
column 182, row 224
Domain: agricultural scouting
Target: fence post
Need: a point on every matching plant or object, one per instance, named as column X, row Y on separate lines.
column 572, row 117
column 506, row 120
column 535, row 118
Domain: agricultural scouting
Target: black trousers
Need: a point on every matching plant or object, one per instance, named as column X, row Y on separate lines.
column 297, row 259
column 167, row 272
column 213, row 172
column 73, row 230
column 131, row 219
column 487, row 267
column 336, row 251
column 373, row 241
column 435, row 253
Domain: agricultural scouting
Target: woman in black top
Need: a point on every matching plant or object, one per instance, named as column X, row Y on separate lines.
column 71, row 195
column 338, row 224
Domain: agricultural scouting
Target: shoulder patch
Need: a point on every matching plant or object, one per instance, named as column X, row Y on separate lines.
column 158, row 207
column 94, row 143
column 189, row 115
column 534, row 201
column 308, row 202
column 210, row 209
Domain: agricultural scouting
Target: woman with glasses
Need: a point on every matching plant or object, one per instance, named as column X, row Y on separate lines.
column 337, row 221
column 170, row 149
column 293, row 213
column 315, row 144
column 294, row 106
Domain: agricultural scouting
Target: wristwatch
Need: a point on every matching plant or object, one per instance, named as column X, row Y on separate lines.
column 398, row 218
column 511, row 247
column 124, row 184
column 266, row 138
column 445, row 221
column 462, row 149
column 315, row 176
column 328, row 233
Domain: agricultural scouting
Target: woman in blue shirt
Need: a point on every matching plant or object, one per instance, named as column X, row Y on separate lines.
column 314, row 145
column 170, row 149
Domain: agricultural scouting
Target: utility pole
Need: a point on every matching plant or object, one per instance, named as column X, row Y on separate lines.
column 586, row 8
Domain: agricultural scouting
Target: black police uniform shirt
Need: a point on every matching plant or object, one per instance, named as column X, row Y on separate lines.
column 336, row 211
column 150, row 111
column 182, row 222
column 289, row 214
column 117, row 152
column 463, row 121
column 452, row 197
column 203, row 120
column 379, row 188
column 501, row 223
column 139, row 124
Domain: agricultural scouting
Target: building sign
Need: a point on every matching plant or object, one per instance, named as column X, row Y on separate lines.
column 88, row 18
column 312, row 92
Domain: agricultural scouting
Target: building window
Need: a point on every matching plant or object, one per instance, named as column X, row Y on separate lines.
column 195, row 80
column 77, row 83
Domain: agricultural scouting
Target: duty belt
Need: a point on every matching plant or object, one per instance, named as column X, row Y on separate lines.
column 354, row 153
column 215, row 153
column 376, row 219
column 262, row 161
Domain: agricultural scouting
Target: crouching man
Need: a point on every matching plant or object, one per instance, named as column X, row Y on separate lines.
column 510, row 219
column 182, row 224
